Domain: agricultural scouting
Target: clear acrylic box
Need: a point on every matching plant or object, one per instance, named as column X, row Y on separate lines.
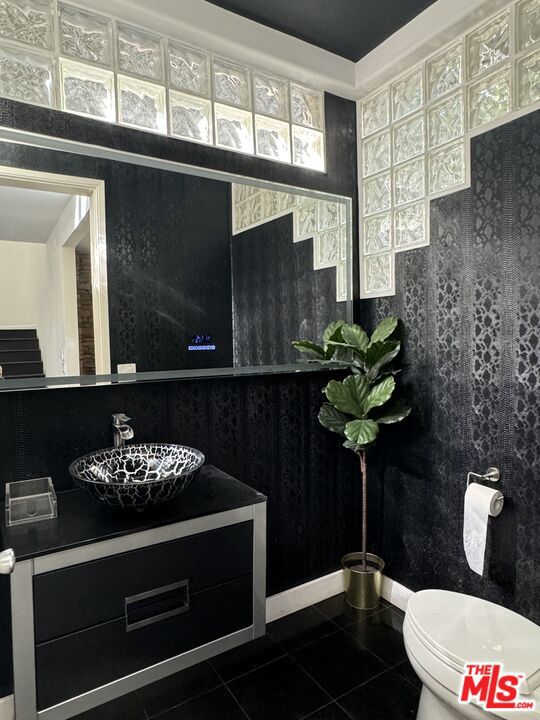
column 29, row 501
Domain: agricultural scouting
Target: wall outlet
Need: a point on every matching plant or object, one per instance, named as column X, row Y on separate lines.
column 126, row 368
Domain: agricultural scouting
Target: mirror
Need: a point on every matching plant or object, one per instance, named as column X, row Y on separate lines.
column 125, row 265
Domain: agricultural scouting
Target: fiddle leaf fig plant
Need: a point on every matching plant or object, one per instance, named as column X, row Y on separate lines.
column 357, row 406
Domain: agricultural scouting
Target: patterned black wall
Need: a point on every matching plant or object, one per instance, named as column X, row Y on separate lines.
column 470, row 310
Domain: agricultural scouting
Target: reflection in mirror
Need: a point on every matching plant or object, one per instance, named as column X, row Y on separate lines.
column 109, row 265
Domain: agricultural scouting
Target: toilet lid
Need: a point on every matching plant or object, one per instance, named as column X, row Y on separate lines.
column 462, row 629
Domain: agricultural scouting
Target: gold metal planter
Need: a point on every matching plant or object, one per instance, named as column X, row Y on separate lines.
column 363, row 582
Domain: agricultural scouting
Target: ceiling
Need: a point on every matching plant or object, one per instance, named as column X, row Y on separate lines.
column 29, row 215
column 349, row 28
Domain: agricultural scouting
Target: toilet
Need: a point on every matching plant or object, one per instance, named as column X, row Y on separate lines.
column 445, row 630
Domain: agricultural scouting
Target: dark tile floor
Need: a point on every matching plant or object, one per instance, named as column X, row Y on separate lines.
column 327, row 662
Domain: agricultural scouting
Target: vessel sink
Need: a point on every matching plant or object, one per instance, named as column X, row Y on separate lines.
column 137, row 476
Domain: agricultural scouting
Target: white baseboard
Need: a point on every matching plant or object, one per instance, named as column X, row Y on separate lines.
column 7, row 709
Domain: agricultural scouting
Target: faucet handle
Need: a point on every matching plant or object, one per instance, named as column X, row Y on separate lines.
column 120, row 419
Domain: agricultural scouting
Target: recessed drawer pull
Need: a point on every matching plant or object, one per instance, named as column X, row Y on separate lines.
column 155, row 605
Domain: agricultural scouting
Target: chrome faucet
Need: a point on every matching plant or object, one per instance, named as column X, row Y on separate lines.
column 121, row 430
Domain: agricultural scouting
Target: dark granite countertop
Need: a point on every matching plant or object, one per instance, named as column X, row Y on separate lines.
column 82, row 520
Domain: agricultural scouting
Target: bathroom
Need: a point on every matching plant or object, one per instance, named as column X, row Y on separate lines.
column 230, row 231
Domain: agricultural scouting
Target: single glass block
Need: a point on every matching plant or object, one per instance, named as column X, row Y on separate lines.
column 377, row 236
column 273, row 138
column 255, row 212
column 529, row 79
column 27, row 21
column 446, row 121
column 306, row 106
column 528, row 23
column 305, row 220
column 377, row 194
column 407, row 95
column 378, row 273
column 239, row 192
column 342, row 292
column 270, row 203
column 409, row 182
column 490, row 98
column 26, row 76
column 139, row 52
column 271, row 95
column 376, row 153
column 231, row 83
column 188, row 69
column 326, row 249
column 142, row 104
column 240, row 216
column 410, row 226
column 308, row 148
column 446, row 168
column 234, row 128
column 409, row 139
column 445, row 72
column 87, row 90
column 489, row 45
column 287, row 201
column 328, row 214
column 191, row 117
column 85, row 35
column 376, row 112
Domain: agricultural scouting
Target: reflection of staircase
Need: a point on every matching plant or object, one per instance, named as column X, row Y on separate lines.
column 20, row 356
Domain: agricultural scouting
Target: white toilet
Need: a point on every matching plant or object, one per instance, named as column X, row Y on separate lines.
column 444, row 630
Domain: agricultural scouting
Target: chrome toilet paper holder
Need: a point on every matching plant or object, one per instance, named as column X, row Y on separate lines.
column 492, row 474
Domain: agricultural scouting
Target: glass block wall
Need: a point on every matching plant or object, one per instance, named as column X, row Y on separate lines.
column 59, row 55
column 416, row 131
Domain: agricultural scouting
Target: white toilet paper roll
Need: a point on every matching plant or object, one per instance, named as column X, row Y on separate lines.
column 480, row 503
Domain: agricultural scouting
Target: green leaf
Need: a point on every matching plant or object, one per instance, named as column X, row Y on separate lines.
column 355, row 447
column 333, row 332
column 348, row 396
column 379, row 394
column 395, row 414
column 380, row 354
column 361, row 432
column 311, row 349
column 333, row 419
column 384, row 329
column 356, row 336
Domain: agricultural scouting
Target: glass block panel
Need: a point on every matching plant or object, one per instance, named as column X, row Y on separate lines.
column 191, row 117
column 308, row 148
column 528, row 23
column 377, row 235
column 446, row 168
column 305, row 220
column 271, row 95
column 234, row 128
column 142, row 104
column 27, row 21
column 328, row 214
column 85, row 35
column 26, row 76
column 377, row 194
column 139, row 52
column 445, row 72
column 188, row 69
column 87, row 90
column 376, row 113
column 378, row 273
column 529, row 79
column 446, row 121
column 409, row 139
column 407, row 95
column 273, row 138
column 231, row 83
column 409, row 182
column 326, row 249
column 410, row 226
column 376, row 154
column 489, row 45
column 306, row 106
column 490, row 99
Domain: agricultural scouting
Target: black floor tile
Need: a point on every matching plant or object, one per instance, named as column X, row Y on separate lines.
column 329, row 712
column 405, row 669
column 279, row 691
column 336, row 609
column 247, row 657
column 382, row 634
column 338, row 663
column 178, row 688
column 388, row 697
column 217, row 704
column 126, row 707
column 300, row 628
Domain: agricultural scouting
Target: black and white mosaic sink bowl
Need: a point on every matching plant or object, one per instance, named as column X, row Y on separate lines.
column 137, row 476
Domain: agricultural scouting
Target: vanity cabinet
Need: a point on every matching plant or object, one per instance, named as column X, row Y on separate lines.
column 94, row 620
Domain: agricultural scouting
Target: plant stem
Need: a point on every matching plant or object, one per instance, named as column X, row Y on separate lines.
column 363, row 473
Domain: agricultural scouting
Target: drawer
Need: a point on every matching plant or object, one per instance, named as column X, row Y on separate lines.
column 79, row 597
column 74, row 664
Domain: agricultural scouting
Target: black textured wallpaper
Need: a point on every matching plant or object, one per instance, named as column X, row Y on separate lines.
column 470, row 309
